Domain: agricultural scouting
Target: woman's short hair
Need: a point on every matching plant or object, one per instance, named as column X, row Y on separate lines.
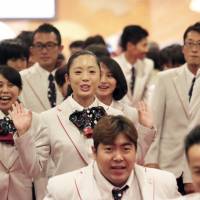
column 109, row 127
column 12, row 75
column 121, row 86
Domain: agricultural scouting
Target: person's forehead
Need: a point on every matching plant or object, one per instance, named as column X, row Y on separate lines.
column 194, row 152
column 193, row 35
column 45, row 37
column 84, row 60
column 121, row 139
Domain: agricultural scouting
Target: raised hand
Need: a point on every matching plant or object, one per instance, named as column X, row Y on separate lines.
column 21, row 118
column 145, row 116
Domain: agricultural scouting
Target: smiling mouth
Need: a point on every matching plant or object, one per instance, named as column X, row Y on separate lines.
column 118, row 167
column 5, row 98
column 85, row 88
column 103, row 87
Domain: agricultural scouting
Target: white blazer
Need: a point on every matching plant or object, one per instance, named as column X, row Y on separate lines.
column 35, row 89
column 81, row 185
column 143, row 70
column 129, row 111
column 17, row 167
column 66, row 141
column 170, row 107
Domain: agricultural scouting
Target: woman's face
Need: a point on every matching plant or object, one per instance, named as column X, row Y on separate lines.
column 107, row 83
column 8, row 94
column 84, row 77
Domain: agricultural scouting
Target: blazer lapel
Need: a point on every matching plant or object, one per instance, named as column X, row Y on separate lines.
column 179, row 82
column 86, row 185
column 145, row 183
column 195, row 100
column 72, row 132
column 8, row 156
column 34, row 81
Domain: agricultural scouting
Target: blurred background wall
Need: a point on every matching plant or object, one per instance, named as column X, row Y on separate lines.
column 165, row 20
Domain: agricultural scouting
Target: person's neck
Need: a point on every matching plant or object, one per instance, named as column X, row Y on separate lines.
column 132, row 60
column 85, row 102
column 49, row 68
column 193, row 68
column 106, row 100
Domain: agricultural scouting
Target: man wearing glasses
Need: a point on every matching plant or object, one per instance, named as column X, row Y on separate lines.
column 40, row 91
column 174, row 94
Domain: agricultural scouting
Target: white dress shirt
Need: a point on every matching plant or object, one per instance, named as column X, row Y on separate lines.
column 105, row 187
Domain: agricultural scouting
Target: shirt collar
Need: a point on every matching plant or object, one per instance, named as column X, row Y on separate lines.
column 189, row 73
column 76, row 106
column 44, row 72
column 104, row 184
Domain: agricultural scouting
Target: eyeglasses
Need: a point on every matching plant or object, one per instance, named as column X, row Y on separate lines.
column 190, row 44
column 48, row 46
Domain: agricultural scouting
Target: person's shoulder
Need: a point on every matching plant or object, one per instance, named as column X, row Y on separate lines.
column 157, row 173
column 29, row 71
column 49, row 113
column 128, row 111
column 195, row 196
column 67, row 178
column 120, row 58
column 110, row 110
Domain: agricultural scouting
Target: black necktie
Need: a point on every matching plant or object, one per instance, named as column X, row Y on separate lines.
column 118, row 193
column 132, row 79
column 52, row 91
column 191, row 88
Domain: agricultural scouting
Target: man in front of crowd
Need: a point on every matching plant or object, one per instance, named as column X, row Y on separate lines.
column 40, row 91
column 174, row 94
column 136, row 68
column 113, row 174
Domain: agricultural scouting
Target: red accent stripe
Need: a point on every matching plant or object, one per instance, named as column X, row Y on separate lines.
column 72, row 142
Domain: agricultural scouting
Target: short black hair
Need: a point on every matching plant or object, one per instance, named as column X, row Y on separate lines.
column 133, row 34
column 173, row 55
column 121, row 86
column 12, row 49
column 109, row 127
column 48, row 28
column 98, row 49
column 26, row 37
column 12, row 75
column 192, row 139
column 77, row 44
column 195, row 27
column 60, row 75
column 96, row 39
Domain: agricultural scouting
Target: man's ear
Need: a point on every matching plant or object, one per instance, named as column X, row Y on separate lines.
column 94, row 151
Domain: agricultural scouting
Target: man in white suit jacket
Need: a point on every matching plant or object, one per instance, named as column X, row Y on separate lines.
column 134, row 45
column 115, row 144
column 192, row 149
column 46, row 46
column 173, row 96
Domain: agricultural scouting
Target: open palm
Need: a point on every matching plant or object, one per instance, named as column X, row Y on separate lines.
column 21, row 118
column 145, row 116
